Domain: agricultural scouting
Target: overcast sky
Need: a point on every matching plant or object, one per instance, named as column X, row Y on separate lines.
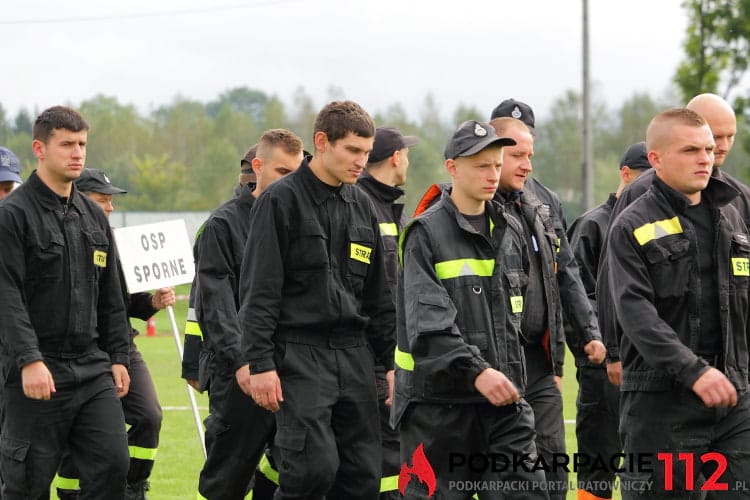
column 472, row 52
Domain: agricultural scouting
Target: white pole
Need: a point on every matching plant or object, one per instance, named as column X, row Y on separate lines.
column 191, row 395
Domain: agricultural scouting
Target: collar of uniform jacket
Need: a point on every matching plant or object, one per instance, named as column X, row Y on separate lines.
column 49, row 199
column 717, row 194
column 382, row 192
column 319, row 190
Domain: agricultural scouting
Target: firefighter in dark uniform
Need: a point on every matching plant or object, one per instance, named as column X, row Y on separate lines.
column 723, row 122
column 237, row 429
column 64, row 336
column 385, row 173
column 141, row 405
column 193, row 336
column 597, row 405
column 554, row 287
column 679, row 262
column 315, row 307
column 460, row 367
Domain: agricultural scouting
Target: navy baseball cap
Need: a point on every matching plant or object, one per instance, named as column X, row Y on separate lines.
column 96, row 181
column 471, row 137
column 636, row 157
column 388, row 140
column 515, row 109
column 10, row 166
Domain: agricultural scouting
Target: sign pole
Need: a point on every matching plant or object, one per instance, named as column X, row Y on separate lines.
column 191, row 395
column 155, row 256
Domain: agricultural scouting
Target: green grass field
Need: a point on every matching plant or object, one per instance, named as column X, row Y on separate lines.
column 180, row 459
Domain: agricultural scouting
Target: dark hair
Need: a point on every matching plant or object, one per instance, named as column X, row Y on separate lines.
column 338, row 118
column 57, row 117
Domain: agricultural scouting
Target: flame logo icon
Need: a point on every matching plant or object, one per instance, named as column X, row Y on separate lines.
column 421, row 468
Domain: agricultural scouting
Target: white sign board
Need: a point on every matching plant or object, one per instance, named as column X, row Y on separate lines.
column 155, row 255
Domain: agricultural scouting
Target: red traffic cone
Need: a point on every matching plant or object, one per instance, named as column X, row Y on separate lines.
column 151, row 327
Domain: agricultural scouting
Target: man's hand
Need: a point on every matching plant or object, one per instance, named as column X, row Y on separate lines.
column 37, row 381
column 614, row 373
column 558, row 383
column 496, row 387
column 163, row 297
column 194, row 384
column 596, row 351
column 265, row 389
column 242, row 375
column 715, row 389
column 390, row 378
column 122, row 379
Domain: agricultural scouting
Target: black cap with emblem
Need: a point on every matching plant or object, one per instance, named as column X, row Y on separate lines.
column 515, row 109
column 471, row 137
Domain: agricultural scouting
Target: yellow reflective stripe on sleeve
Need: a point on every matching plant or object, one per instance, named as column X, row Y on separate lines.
column 388, row 483
column 516, row 304
column 464, row 267
column 740, row 266
column 265, row 467
column 191, row 325
column 142, row 453
column 388, row 229
column 403, row 360
column 656, row 230
column 194, row 329
column 66, row 483
column 559, row 244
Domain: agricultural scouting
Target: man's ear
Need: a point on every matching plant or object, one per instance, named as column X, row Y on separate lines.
column 450, row 166
column 38, row 147
column 320, row 140
column 257, row 165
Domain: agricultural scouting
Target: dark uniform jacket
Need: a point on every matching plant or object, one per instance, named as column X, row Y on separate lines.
column 653, row 267
column 462, row 305
column 302, row 281
column 391, row 221
column 219, row 252
column 58, row 279
column 586, row 236
column 611, row 330
column 574, row 301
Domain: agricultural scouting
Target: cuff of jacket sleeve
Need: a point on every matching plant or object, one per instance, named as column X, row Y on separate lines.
column 28, row 357
column 189, row 373
column 119, row 358
column 262, row 365
column 692, row 372
column 388, row 359
column 476, row 367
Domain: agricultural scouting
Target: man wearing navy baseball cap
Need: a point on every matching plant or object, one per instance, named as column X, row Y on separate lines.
column 10, row 168
column 382, row 180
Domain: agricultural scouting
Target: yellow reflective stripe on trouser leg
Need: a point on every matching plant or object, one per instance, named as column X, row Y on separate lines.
column 265, row 468
column 403, row 360
column 142, row 453
column 66, row 483
column 388, row 483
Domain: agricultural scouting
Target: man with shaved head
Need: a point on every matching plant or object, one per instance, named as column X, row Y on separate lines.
column 721, row 119
column 679, row 265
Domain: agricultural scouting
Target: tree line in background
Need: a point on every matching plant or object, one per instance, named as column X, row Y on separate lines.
column 185, row 155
